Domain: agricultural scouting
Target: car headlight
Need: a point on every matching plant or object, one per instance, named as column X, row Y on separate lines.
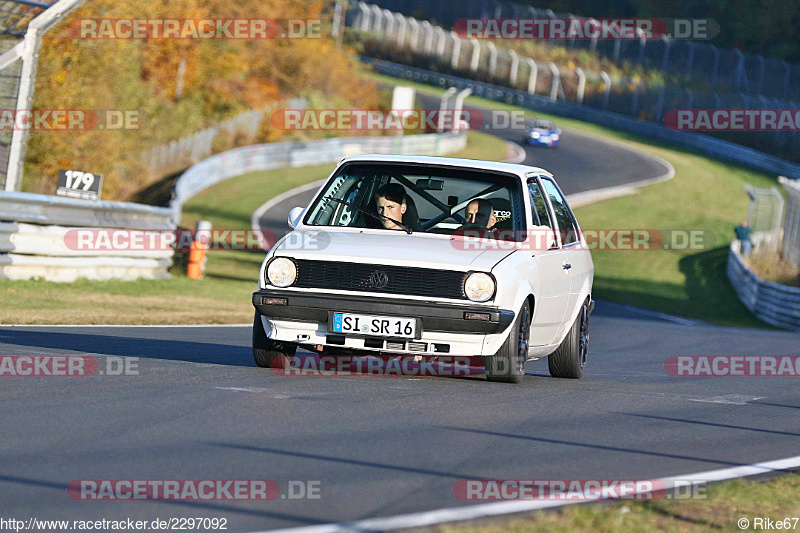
column 535, row 134
column 281, row 272
column 479, row 287
column 554, row 136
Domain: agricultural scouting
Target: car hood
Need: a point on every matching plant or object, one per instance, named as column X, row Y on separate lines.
column 395, row 248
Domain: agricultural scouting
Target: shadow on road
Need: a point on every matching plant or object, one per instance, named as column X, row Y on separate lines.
column 176, row 350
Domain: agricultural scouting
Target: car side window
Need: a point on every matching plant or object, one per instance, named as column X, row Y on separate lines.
column 565, row 218
column 539, row 212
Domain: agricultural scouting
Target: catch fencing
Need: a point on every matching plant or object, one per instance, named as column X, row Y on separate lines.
column 396, row 37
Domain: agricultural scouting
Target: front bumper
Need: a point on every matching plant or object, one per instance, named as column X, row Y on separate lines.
column 431, row 317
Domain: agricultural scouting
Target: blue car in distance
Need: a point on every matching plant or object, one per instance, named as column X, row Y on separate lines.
column 542, row 133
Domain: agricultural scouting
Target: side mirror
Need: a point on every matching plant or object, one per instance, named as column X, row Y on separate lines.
column 294, row 216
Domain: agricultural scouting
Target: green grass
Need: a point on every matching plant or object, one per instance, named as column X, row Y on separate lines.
column 222, row 296
column 726, row 503
column 705, row 194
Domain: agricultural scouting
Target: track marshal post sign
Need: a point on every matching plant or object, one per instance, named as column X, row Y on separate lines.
column 78, row 184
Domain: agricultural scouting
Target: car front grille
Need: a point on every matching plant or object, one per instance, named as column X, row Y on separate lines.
column 380, row 278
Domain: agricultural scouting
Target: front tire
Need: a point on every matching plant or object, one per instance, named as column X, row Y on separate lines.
column 268, row 353
column 569, row 359
column 508, row 364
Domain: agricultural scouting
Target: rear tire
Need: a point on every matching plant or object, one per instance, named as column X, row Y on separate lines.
column 508, row 364
column 268, row 353
column 569, row 359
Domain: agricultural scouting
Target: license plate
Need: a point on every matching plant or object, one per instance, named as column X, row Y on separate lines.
column 382, row 326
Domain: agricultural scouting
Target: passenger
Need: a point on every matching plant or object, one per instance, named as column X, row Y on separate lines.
column 480, row 213
column 392, row 203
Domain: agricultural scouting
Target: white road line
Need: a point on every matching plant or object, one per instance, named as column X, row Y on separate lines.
column 520, row 156
column 269, row 204
column 458, row 514
column 244, row 389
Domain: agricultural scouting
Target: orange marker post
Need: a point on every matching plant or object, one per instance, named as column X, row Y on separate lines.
column 197, row 252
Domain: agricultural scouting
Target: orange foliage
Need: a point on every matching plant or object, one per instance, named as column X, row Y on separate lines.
column 222, row 78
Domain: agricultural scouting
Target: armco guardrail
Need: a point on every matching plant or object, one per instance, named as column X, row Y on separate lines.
column 702, row 143
column 34, row 227
column 773, row 303
column 33, row 243
column 261, row 157
column 45, row 209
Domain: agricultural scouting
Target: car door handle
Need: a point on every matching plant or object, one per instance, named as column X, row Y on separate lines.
column 567, row 266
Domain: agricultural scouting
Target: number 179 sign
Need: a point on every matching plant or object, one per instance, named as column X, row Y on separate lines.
column 77, row 184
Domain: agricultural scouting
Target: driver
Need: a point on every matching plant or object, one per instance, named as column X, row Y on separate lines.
column 480, row 213
column 392, row 203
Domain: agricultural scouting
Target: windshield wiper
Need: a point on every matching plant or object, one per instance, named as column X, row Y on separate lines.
column 377, row 217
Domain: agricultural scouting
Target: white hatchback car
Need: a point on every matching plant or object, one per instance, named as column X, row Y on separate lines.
column 430, row 256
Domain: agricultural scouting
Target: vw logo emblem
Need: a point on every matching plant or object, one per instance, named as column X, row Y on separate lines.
column 377, row 279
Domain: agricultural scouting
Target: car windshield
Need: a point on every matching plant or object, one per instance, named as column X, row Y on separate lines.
column 422, row 198
column 544, row 124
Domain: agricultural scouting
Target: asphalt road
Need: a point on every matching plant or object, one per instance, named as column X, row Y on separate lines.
column 378, row 446
column 197, row 408
column 581, row 163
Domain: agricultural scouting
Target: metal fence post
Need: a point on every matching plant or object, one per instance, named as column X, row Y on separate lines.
column 606, row 88
column 512, row 76
column 492, row 59
column 401, row 29
column 556, row 81
column 476, row 55
column 427, row 30
column 581, row 83
column 458, row 124
column 443, row 107
column 377, row 17
column 532, row 76
column 456, row 50
column 441, row 41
